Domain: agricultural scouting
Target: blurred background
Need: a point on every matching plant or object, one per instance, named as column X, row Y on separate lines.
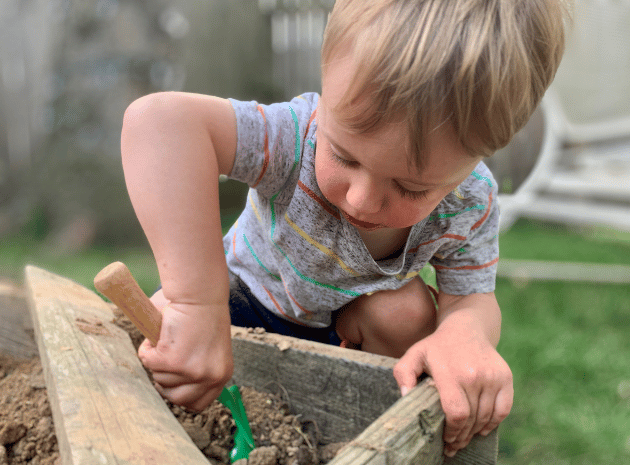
column 69, row 68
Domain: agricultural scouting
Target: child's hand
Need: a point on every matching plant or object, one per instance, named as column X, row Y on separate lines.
column 193, row 358
column 474, row 382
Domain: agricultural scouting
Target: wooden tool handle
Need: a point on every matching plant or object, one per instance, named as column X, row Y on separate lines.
column 116, row 282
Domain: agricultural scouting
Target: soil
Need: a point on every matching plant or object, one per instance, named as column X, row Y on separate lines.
column 27, row 435
column 27, row 432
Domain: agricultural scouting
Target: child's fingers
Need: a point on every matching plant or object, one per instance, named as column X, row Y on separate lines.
column 457, row 410
column 154, row 358
column 410, row 366
column 159, row 300
column 465, row 431
column 170, row 380
column 145, row 352
column 192, row 396
column 150, row 358
column 502, row 406
column 485, row 411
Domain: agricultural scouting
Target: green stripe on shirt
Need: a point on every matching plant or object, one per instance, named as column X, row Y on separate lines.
column 296, row 160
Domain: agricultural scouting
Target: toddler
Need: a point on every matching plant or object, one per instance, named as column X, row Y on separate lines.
column 351, row 194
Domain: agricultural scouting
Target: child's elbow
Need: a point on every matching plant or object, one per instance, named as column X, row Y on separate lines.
column 143, row 116
column 144, row 110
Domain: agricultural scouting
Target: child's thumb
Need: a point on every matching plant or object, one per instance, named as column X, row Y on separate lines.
column 408, row 370
column 148, row 355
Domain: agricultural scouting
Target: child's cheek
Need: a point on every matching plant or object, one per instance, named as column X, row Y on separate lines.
column 417, row 211
column 328, row 179
column 330, row 184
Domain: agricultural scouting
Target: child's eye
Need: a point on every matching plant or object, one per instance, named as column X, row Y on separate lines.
column 341, row 161
column 413, row 195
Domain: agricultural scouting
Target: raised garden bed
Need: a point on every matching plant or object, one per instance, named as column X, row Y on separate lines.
column 105, row 409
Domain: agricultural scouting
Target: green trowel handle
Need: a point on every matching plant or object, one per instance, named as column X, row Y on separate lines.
column 243, row 438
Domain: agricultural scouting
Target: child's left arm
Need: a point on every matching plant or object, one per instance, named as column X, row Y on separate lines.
column 474, row 382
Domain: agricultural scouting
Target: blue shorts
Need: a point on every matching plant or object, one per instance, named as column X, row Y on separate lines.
column 246, row 311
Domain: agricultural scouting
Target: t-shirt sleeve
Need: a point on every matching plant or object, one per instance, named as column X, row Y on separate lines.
column 270, row 141
column 467, row 265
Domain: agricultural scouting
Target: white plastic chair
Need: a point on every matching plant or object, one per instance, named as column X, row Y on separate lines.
column 581, row 130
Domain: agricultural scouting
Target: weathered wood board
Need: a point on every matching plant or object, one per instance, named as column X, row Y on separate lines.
column 104, row 408
column 342, row 390
column 15, row 341
column 106, row 411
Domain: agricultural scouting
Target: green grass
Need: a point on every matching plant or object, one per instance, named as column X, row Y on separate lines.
column 17, row 252
column 546, row 241
column 568, row 347
column 568, row 344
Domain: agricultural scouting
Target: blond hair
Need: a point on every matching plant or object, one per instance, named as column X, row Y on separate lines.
column 483, row 65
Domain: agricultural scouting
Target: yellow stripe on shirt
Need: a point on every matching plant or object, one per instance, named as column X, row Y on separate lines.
column 321, row 247
column 255, row 208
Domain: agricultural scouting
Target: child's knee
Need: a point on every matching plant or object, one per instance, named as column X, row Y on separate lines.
column 389, row 322
column 408, row 313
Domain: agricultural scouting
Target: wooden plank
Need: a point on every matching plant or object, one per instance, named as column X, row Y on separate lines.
column 342, row 390
column 15, row 340
column 105, row 409
column 350, row 395
column 404, row 435
column 539, row 270
column 410, row 432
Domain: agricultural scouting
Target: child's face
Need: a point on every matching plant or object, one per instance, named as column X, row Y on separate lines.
column 368, row 177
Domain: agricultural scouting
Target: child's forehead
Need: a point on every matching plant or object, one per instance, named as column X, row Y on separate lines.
column 362, row 107
column 442, row 155
column 334, row 126
column 334, row 121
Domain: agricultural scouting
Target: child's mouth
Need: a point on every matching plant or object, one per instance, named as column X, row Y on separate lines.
column 360, row 224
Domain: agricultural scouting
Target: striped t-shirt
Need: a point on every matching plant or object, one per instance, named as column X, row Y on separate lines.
column 303, row 260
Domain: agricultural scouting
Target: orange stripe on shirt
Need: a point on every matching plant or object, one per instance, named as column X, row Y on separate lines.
column 295, row 301
column 319, row 200
column 275, row 302
column 234, row 248
column 445, row 236
column 467, row 267
column 313, row 115
column 266, row 162
column 485, row 215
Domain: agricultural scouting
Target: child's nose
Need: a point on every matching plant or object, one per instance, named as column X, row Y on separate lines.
column 365, row 196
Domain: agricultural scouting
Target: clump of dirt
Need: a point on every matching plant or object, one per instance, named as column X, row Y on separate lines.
column 27, row 434
column 280, row 437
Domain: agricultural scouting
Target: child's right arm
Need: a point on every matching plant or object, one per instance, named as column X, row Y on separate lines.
column 174, row 146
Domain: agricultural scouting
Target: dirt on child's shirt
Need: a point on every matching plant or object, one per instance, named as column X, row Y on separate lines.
column 303, row 260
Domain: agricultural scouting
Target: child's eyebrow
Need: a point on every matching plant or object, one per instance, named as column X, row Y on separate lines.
column 339, row 148
column 421, row 185
column 412, row 182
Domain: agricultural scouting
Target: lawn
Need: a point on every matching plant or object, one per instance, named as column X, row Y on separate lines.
column 568, row 347
column 567, row 343
column 81, row 267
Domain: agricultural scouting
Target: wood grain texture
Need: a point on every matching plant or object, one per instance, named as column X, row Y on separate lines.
column 342, row 390
column 105, row 409
column 15, row 340
column 410, row 433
